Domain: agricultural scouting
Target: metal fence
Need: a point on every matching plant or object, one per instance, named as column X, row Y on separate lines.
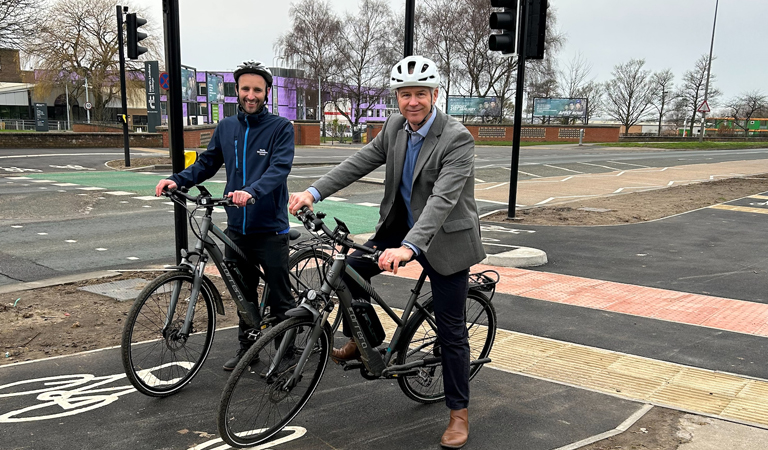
column 29, row 125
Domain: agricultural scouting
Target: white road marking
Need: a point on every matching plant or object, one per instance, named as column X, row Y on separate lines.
column 336, row 199
column 17, row 178
column 598, row 165
column 368, row 204
column 70, row 241
column 65, row 184
column 92, row 188
column 546, row 201
column 529, row 174
column 494, row 186
column 132, row 258
column 150, row 197
column 561, row 168
column 43, row 234
column 17, row 226
column 629, row 164
column 120, row 193
column 618, row 190
column 101, row 249
column 42, row 181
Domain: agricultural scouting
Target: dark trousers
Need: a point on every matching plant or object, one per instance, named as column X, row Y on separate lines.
column 449, row 295
column 270, row 251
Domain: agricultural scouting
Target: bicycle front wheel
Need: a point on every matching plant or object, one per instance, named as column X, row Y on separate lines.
column 308, row 269
column 262, row 395
column 420, row 342
column 158, row 360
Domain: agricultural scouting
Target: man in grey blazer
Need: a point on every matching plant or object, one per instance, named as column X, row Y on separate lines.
column 428, row 213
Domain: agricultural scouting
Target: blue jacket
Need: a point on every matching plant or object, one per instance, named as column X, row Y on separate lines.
column 257, row 151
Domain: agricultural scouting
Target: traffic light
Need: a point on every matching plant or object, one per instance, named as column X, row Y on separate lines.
column 132, row 24
column 535, row 29
column 506, row 41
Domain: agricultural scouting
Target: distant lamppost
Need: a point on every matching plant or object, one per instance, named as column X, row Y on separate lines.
column 661, row 111
column 709, row 70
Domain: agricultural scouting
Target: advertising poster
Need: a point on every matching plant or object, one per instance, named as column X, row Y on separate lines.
column 41, row 117
column 215, row 84
column 188, row 84
column 152, row 88
column 474, row 106
column 560, row 107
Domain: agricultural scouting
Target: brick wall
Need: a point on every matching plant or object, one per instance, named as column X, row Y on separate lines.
column 10, row 69
column 373, row 129
column 96, row 128
column 54, row 139
column 194, row 135
column 548, row 133
column 306, row 133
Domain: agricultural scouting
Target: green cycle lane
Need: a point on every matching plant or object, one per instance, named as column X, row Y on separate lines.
column 358, row 218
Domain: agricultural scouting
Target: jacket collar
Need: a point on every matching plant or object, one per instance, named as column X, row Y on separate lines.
column 253, row 119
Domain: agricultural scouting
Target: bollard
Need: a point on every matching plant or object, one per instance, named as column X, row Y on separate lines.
column 581, row 137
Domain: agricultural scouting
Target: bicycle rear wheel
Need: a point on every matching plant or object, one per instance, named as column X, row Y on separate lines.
column 157, row 359
column 257, row 403
column 419, row 342
column 308, row 269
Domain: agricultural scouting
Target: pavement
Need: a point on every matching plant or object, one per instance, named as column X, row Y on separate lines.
column 671, row 314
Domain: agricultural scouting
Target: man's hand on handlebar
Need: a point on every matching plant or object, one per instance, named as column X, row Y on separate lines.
column 239, row 198
column 164, row 185
column 391, row 258
column 299, row 200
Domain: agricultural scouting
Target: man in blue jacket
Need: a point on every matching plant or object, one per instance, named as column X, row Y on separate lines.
column 257, row 149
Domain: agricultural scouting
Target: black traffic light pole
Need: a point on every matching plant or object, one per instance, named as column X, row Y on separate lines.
column 122, row 83
column 410, row 12
column 175, row 124
column 518, row 121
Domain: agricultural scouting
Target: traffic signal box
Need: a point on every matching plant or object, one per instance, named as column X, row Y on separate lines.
column 506, row 21
column 132, row 24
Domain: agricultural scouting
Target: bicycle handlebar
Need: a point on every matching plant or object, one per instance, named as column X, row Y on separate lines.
column 315, row 224
column 204, row 199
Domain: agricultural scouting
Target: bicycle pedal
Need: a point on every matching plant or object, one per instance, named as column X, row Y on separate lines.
column 350, row 366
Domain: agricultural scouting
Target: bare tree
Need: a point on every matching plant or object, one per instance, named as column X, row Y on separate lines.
column 744, row 107
column 18, row 21
column 691, row 92
column 574, row 81
column 439, row 21
column 311, row 41
column 362, row 71
column 663, row 83
column 629, row 93
column 77, row 39
column 594, row 92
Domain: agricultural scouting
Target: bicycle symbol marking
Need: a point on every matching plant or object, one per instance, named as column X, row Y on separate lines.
column 71, row 166
column 501, row 229
column 68, row 395
column 758, row 204
column 19, row 169
column 296, row 432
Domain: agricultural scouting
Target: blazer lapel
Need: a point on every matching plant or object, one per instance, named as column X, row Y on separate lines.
column 430, row 143
column 401, row 145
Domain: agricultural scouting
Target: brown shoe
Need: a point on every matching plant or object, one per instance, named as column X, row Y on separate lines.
column 346, row 353
column 457, row 433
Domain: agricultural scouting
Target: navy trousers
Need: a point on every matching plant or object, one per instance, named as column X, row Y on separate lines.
column 449, row 295
column 270, row 251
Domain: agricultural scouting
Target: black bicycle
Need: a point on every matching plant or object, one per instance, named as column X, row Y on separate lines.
column 169, row 330
column 277, row 376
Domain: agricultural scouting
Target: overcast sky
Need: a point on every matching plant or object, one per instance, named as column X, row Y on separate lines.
column 666, row 33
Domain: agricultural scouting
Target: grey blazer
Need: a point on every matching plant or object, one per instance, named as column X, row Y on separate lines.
column 446, row 228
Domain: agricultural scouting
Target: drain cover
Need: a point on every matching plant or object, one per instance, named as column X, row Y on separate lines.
column 121, row 291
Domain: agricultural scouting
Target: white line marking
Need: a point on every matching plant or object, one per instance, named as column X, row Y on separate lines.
column 336, row 199
column 501, row 245
column 478, row 180
column 494, row 186
column 43, row 234
column 146, row 206
column 494, row 202
column 566, row 179
column 561, row 168
column 529, row 174
column 17, row 226
column 120, row 193
column 150, row 197
column 65, row 184
column 621, row 173
column 546, row 201
column 598, row 165
column 42, row 181
column 101, row 249
column 662, row 170
column 132, row 258
column 624, row 426
column 670, row 183
column 70, row 241
column 629, row 164
column 368, row 204
column 17, row 178
column 92, row 188
column 618, row 190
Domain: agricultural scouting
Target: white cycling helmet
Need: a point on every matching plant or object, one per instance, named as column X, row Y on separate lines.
column 414, row 71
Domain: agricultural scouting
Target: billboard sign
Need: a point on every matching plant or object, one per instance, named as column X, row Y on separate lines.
column 152, row 88
column 215, row 84
column 188, row 84
column 474, row 106
column 560, row 107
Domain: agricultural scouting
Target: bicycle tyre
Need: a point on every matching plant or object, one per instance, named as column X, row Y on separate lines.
column 310, row 267
column 254, row 409
column 158, row 365
column 420, row 342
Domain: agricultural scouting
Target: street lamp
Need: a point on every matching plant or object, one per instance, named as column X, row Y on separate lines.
column 709, row 70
